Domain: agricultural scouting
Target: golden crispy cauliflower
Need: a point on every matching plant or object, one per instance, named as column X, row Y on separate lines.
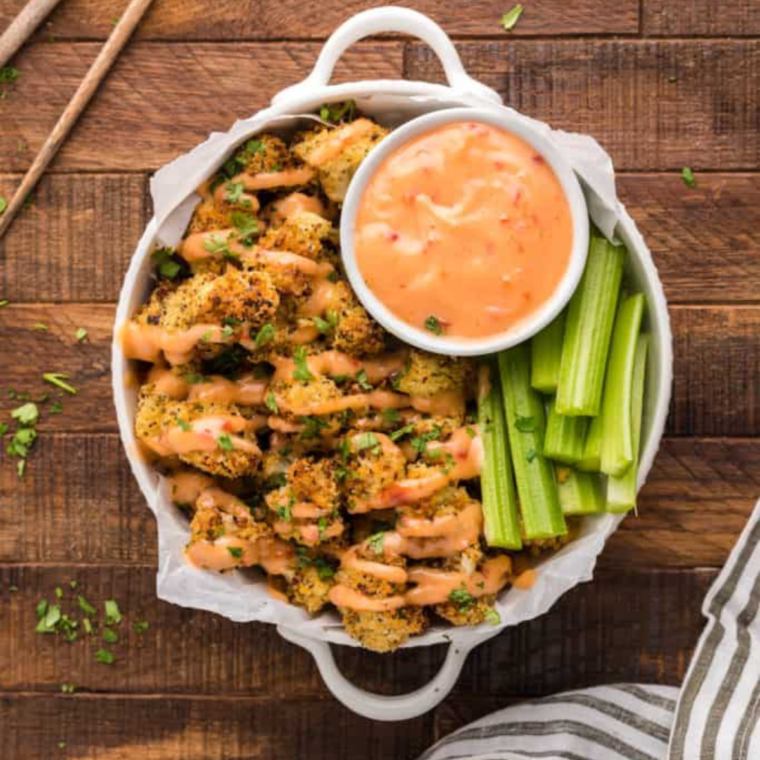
column 369, row 467
column 304, row 233
column 427, row 374
column 387, row 630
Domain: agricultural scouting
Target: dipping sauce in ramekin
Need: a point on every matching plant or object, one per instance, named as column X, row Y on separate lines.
column 464, row 231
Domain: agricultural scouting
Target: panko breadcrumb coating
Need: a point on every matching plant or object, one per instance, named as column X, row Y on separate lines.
column 347, row 494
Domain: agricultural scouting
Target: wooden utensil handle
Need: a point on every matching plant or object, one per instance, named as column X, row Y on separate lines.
column 21, row 28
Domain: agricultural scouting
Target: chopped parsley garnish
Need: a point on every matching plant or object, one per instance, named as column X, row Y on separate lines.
column 225, row 442
column 525, row 424
column 235, row 551
column 4, row 428
column 264, row 335
column 216, row 243
column 284, row 512
column 113, row 613
column 433, row 324
column 239, row 161
column 328, row 324
column 511, row 17
column 184, row 425
column 462, row 598
column 8, row 74
column 28, row 414
column 324, row 569
column 228, row 331
column 41, row 327
column 80, row 334
column 168, row 264
column 57, row 379
column 364, row 441
column 271, row 403
column 391, row 416
column 322, row 524
column 420, row 442
column 85, row 606
column 104, row 656
column 688, row 177
column 492, row 616
column 233, row 191
column 301, row 371
column 470, row 431
column 3, row 206
column 375, row 542
column 4, row 301
column 140, row 626
column 362, row 381
column 193, row 378
column 401, row 432
column 68, row 688
column 335, row 112
column 312, row 426
column 247, row 226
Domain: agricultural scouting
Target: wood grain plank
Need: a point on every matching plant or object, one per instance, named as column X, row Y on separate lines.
column 625, row 626
column 74, row 242
column 208, row 729
column 260, row 20
column 621, row 93
column 79, row 234
column 717, row 361
column 79, row 503
column 704, row 17
column 160, row 100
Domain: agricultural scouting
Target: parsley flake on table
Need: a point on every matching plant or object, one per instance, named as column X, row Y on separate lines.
column 688, row 177
column 28, row 414
column 85, row 606
column 80, row 335
column 3, row 204
column 301, row 371
column 8, row 74
column 511, row 17
column 113, row 613
column 433, row 325
column 110, row 636
column 4, row 302
column 104, row 656
column 140, row 626
column 57, row 379
column 68, row 688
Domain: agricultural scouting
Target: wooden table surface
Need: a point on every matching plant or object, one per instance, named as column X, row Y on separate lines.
column 661, row 83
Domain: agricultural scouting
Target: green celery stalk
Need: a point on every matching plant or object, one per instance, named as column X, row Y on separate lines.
column 591, row 459
column 617, row 428
column 580, row 493
column 546, row 354
column 534, row 474
column 565, row 436
column 621, row 491
column 501, row 524
column 588, row 328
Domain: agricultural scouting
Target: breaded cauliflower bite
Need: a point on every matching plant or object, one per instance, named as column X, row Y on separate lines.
column 296, row 433
column 337, row 152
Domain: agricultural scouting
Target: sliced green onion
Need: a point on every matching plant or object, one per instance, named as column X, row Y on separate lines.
column 565, row 436
column 501, row 525
column 534, row 474
column 591, row 459
column 580, row 493
column 617, row 429
column 588, row 328
column 546, row 355
column 621, row 491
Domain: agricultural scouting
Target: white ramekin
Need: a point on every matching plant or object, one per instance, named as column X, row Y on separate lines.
column 526, row 327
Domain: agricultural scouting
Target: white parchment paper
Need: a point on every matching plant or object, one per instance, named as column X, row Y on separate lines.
column 241, row 595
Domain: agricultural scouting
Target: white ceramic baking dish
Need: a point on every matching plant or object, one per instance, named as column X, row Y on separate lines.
column 411, row 99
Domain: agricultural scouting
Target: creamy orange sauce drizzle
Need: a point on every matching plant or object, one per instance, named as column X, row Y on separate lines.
column 186, row 486
column 526, row 580
column 431, row 586
column 334, row 363
column 203, row 435
column 325, row 295
column 301, row 175
column 466, row 454
column 297, row 203
column 148, row 342
column 341, row 136
column 276, row 556
column 247, row 390
column 464, row 209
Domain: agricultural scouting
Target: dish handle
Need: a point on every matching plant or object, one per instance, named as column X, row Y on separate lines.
column 389, row 19
column 379, row 706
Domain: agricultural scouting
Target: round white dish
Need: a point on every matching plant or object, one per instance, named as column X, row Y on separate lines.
column 533, row 323
column 408, row 99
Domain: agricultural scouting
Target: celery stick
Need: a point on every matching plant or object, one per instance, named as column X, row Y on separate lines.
column 565, row 436
column 580, row 493
column 534, row 474
column 546, row 354
column 588, row 328
column 501, row 525
column 621, row 491
column 591, row 458
column 617, row 430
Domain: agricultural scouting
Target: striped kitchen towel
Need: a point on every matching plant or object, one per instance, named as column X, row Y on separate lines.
column 714, row 716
